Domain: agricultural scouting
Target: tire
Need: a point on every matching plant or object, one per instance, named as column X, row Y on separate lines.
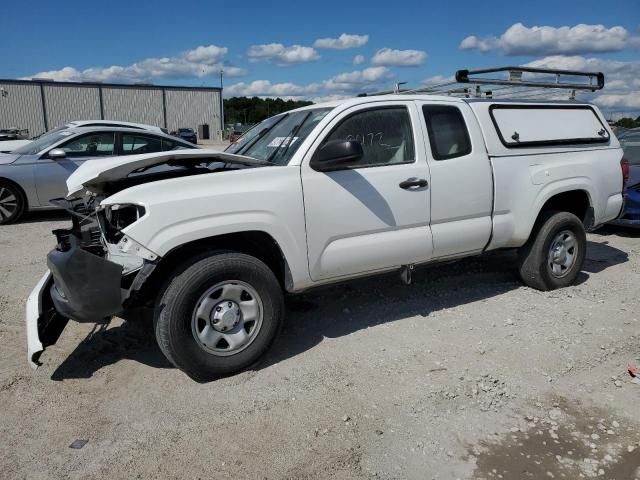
column 12, row 202
column 547, row 261
column 201, row 332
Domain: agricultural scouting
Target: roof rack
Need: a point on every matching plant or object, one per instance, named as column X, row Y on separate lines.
column 520, row 82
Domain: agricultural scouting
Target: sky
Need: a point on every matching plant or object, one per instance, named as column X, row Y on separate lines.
column 319, row 50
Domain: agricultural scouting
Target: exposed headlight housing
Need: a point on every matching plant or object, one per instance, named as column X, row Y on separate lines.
column 114, row 218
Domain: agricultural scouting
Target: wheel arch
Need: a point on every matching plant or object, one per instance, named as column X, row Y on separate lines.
column 576, row 201
column 256, row 243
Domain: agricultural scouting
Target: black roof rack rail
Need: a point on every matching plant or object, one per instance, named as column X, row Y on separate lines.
column 515, row 78
column 469, row 83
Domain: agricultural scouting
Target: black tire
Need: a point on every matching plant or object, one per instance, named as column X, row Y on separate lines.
column 534, row 258
column 175, row 309
column 12, row 202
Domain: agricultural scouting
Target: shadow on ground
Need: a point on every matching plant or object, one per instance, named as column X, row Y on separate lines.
column 105, row 346
column 340, row 310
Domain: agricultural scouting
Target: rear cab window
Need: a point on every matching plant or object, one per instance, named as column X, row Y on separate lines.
column 448, row 133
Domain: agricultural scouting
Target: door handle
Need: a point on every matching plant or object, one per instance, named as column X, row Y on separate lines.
column 413, row 182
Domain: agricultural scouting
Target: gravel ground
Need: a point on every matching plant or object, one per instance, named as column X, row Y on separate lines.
column 465, row 374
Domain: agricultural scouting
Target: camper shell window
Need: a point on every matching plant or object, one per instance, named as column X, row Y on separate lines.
column 521, row 126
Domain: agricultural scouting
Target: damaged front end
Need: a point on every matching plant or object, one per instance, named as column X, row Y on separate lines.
column 95, row 272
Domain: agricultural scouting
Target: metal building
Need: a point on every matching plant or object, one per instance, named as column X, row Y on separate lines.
column 40, row 105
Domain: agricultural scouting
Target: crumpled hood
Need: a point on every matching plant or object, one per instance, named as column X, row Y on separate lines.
column 6, row 158
column 94, row 175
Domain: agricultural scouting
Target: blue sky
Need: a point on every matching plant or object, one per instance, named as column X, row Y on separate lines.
column 273, row 48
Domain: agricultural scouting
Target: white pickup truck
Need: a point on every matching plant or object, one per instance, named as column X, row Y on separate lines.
column 323, row 194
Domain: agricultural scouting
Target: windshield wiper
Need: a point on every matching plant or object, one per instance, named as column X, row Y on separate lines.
column 261, row 134
column 289, row 139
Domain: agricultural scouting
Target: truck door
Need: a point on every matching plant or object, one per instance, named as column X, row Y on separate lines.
column 372, row 214
column 461, row 179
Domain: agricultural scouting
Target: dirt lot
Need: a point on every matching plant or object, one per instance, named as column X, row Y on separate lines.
column 465, row 374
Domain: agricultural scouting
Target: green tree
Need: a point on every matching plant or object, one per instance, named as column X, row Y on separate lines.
column 628, row 122
column 252, row 110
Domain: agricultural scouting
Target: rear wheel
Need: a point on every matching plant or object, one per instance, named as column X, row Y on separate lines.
column 12, row 202
column 219, row 315
column 554, row 255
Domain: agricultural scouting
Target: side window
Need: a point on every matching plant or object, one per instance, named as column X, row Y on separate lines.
column 168, row 145
column 134, row 144
column 448, row 133
column 90, row 145
column 385, row 135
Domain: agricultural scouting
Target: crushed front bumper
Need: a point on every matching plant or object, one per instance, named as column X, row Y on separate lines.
column 85, row 282
column 44, row 323
column 78, row 285
column 85, row 287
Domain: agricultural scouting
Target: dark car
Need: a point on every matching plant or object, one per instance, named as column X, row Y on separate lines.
column 630, row 143
column 12, row 134
column 187, row 134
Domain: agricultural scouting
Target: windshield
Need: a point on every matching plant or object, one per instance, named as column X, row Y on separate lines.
column 276, row 139
column 630, row 143
column 64, row 127
column 45, row 141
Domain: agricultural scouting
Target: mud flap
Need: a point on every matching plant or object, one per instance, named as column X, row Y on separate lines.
column 44, row 323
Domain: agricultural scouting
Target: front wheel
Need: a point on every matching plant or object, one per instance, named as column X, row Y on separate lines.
column 12, row 202
column 553, row 256
column 219, row 315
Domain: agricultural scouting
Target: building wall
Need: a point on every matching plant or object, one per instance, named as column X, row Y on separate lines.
column 22, row 108
column 67, row 103
column 190, row 108
column 141, row 105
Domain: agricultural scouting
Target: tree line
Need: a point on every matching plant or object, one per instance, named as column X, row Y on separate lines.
column 252, row 110
column 628, row 122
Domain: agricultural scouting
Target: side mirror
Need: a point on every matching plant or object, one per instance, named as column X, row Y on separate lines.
column 56, row 154
column 336, row 154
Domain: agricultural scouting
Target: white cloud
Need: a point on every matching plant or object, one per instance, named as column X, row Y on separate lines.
column 358, row 60
column 356, row 81
column 330, row 98
column 522, row 40
column 399, row 58
column 437, row 79
column 343, row 85
column 278, row 54
column 343, row 42
column 371, row 74
column 622, row 79
column 207, row 55
column 261, row 88
column 200, row 62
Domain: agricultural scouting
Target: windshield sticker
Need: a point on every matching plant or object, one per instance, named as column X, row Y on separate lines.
column 282, row 142
column 65, row 134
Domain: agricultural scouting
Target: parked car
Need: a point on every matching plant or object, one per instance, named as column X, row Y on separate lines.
column 235, row 136
column 110, row 123
column 12, row 138
column 13, row 134
column 187, row 134
column 317, row 196
column 10, row 146
column 36, row 172
column 630, row 142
